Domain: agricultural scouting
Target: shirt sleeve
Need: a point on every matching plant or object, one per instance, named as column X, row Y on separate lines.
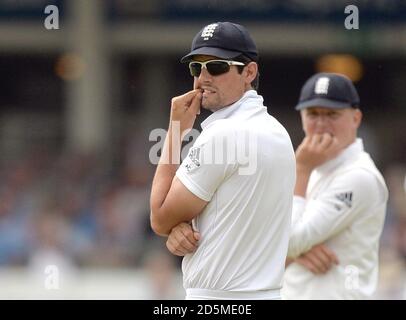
column 348, row 195
column 208, row 163
column 299, row 204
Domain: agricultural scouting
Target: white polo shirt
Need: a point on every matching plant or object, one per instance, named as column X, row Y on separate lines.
column 344, row 208
column 245, row 226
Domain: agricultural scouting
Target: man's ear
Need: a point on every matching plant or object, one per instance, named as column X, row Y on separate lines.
column 357, row 117
column 251, row 71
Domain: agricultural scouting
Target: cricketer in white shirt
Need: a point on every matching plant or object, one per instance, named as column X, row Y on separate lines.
column 344, row 208
column 245, row 226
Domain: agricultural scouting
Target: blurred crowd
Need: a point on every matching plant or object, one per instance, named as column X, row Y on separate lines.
column 393, row 241
column 78, row 209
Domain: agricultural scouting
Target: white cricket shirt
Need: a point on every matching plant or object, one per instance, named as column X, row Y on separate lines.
column 344, row 208
column 245, row 226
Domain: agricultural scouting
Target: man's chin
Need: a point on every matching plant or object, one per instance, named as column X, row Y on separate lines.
column 209, row 107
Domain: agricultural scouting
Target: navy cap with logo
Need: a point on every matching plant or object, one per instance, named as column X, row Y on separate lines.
column 225, row 40
column 328, row 90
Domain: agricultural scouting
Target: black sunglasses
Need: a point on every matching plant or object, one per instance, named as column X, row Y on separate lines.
column 214, row 67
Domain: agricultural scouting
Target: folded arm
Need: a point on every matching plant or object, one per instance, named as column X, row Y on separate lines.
column 171, row 202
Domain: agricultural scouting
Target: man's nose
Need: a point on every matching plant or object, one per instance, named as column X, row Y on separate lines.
column 204, row 75
column 321, row 120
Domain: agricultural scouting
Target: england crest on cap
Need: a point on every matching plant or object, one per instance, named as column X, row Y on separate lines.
column 208, row 31
column 321, row 86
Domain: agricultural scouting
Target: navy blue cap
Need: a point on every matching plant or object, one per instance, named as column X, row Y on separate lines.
column 328, row 90
column 224, row 40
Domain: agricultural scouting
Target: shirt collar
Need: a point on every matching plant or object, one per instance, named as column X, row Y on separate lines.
column 348, row 153
column 251, row 101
